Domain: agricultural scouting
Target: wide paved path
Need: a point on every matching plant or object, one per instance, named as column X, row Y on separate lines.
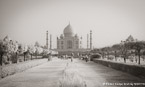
column 49, row 75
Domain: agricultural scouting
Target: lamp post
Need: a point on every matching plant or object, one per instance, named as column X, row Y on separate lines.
column 47, row 39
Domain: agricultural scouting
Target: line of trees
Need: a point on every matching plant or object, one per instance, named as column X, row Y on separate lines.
column 10, row 50
column 124, row 50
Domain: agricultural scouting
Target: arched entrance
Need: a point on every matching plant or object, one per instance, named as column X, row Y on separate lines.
column 69, row 44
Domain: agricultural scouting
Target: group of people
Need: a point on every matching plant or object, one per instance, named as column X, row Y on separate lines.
column 85, row 57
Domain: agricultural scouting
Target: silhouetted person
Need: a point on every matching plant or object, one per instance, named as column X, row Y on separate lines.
column 72, row 55
column 49, row 56
column 71, row 59
column 87, row 58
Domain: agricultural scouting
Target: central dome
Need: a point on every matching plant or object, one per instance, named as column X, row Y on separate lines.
column 68, row 31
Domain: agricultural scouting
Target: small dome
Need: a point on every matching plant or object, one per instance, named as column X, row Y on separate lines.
column 68, row 31
column 130, row 38
column 61, row 36
column 6, row 38
column 76, row 36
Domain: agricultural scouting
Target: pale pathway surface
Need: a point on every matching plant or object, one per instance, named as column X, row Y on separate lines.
column 50, row 73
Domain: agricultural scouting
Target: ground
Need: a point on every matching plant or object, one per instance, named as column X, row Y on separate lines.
column 51, row 73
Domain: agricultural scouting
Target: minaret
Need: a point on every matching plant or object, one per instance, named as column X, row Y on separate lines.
column 80, row 42
column 87, row 41
column 91, row 39
column 57, row 43
column 50, row 41
column 47, row 39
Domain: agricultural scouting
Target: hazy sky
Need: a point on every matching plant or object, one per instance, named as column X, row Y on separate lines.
column 110, row 20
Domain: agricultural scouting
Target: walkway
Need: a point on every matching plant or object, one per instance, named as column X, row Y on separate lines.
column 51, row 73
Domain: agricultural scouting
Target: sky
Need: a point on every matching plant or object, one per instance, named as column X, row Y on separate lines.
column 111, row 21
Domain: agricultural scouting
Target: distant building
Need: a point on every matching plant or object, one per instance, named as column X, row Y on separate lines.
column 68, row 42
column 7, row 38
column 130, row 39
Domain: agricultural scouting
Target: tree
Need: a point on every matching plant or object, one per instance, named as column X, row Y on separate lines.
column 116, row 48
column 143, row 53
column 46, row 52
column 125, row 46
column 23, row 49
column 14, row 50
column 2, row 51
column 31, row 50
column 8, row 47
column 108, row 49
column 138, row 46
column 103, row 52
column 39, row 50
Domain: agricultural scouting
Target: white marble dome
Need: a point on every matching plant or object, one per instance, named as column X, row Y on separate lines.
column 68, row 31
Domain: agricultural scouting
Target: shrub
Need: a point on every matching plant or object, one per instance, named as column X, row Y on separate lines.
column 72, row 78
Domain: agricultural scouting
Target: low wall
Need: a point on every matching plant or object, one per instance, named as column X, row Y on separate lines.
column 135, row 70
column 19, row 67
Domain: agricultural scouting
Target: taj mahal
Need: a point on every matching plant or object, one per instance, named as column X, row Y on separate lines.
column 68, row 42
